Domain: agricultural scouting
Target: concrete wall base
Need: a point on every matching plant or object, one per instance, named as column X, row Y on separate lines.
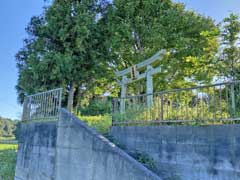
column 186, row 152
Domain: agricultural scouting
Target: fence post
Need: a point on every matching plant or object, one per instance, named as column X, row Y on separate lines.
column 233, row 99
column 162, row 104
column 29, row 108
column 114, row 109
column 60, row 103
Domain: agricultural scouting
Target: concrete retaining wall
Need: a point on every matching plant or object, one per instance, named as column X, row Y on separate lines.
column 85, row 155
column 70, row 150
column 187, row 152
column 37, row 151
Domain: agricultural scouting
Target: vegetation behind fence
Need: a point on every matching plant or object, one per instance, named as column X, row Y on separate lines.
column 201, row 103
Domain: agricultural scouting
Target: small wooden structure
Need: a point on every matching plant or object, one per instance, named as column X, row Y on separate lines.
column 134, row 71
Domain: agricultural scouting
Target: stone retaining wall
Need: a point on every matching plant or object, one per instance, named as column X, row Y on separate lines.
column 186, row 152
column 70, row 150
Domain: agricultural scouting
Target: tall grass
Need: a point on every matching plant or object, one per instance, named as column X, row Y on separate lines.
column 201, row 112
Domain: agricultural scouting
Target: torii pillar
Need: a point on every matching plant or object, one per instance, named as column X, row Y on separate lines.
column 148, row 74
column 149, row 86
column 123, row 93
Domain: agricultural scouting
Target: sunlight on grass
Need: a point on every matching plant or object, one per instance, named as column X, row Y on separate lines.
column 4, row 147
column 100, row 123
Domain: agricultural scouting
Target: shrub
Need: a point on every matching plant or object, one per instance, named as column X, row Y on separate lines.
column 97, row 106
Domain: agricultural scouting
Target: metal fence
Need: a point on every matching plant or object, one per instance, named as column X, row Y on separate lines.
column 218, row 102
column 42, row 106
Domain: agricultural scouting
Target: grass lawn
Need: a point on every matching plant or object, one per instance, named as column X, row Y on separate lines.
column 100, row 123
column 8, row 154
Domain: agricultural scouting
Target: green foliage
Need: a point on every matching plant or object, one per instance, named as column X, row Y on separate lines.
column 7, row 127
column 4, row 147
column 145, row 160
column 8, row 161
column 78, row 46
column 97, row 106
column 139, row 29
column 64, row 49
column 202, row 105
column 201, row 112
column 101, row 123
column 140, row 157
column 230, row 39
column 16, row 131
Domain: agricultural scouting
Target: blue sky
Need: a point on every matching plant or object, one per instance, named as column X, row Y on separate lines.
column 14, row 17
column 217, row 9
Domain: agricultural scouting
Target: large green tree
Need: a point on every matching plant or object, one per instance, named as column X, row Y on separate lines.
column 230, row 55
column 79, row 44
column 138, row 29
column 64, row 48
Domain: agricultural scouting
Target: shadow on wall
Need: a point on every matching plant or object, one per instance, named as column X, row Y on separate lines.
column 68, row 149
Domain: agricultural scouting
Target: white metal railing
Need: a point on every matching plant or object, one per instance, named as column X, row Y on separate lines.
column 42, row 106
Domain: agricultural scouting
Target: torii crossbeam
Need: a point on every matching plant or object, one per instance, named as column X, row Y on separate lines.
column 134, row 71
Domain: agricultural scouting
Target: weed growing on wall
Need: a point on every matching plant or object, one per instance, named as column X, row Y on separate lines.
column 145, row 160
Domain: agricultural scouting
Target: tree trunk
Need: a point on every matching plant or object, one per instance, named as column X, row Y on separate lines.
column 78, row 98
column 70, row 97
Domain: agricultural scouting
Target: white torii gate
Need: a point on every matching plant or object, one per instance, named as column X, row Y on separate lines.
column 135, row 76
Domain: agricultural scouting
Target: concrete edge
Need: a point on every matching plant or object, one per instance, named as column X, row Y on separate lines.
column 17, row 178
column 111, row 145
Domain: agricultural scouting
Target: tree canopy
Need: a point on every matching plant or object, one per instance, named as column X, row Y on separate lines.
column 78, row 45
column 63, row 50
column 141, row 28
column 230, row 40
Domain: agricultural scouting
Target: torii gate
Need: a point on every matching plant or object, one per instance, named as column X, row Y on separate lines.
column 135, row 76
